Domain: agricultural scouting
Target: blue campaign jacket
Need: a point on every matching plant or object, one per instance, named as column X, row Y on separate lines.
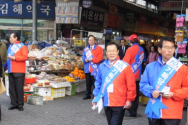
column 124, row 86
column 178, row 85
column 97, row 53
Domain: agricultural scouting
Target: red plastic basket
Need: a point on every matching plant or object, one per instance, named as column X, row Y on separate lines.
column 30, row 80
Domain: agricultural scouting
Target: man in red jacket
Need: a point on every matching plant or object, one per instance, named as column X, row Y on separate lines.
column 17, row 55
column 134, row 57
column 114, row 86
column 92, row 56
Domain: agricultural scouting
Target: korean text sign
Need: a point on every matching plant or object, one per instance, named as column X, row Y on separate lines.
column 24, row 9
column 91, row 17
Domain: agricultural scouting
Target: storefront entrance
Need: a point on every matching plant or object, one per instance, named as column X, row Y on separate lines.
column 24, row 28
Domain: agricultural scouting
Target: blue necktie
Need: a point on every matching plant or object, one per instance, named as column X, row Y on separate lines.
column 123, row 50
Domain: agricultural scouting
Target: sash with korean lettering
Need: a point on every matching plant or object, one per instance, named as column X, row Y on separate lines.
column 12, row 50
column 138, row 59
column 114, row 71
column 93, row 65
column 154, row 104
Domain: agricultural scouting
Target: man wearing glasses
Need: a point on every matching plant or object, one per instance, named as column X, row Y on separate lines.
column 165, row 83
column 114, row 86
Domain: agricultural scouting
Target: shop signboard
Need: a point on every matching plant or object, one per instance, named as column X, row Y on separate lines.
column 126, row 37
column 121, row 23
column 107, row 31
column 147, row 28
column 92, row 18
column 105, row 24
column 95, row 34
column 11, row 9
column 113, row 20
column 172, row 5
column 130, row 26
column 117, row 38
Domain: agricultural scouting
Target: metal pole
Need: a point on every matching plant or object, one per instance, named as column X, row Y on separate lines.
column 34, row 34
column 182, row 7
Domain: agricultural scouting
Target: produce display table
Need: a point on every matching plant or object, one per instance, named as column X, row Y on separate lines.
column 60, row 73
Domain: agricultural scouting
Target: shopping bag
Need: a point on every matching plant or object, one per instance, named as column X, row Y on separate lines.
column 2, row 87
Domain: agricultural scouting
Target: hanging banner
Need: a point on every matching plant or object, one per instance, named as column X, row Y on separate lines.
column 66, row 15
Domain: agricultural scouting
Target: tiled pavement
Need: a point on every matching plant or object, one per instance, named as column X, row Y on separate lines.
column 70, row 110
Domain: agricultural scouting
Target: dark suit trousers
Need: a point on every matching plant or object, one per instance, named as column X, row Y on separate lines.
column 16, row 83
column 134, row 107
column 114, row 115
column 164, row 121
column 90, row 80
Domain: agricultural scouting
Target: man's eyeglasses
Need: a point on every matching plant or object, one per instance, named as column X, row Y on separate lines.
column 114, row 51
column 169, row 48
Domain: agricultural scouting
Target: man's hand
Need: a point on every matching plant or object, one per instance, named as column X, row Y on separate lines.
column 94, row 102
column 128, row 105
column 155, row 94
column 11, row 57
column 91, row 60
column 167, row 96
column 86, row 60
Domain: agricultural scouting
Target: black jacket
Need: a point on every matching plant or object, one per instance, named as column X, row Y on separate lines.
column 121, row 55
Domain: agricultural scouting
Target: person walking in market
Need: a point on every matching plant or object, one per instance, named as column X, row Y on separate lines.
column 3, row 55
column 134, row 57
column 153, row 55
column 17, row 55
column 114, row 85
column 165, row 83
column 7, row 42
column 92, row 56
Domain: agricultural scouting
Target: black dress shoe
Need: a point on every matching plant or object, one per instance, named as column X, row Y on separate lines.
column 20, row 108
column 12, row 107
column 129, row 115
column 87, row 97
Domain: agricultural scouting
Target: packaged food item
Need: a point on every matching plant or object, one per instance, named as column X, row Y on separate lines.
column 40, row 84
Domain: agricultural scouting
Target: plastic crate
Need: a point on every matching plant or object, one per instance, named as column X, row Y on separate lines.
column 81, row 87
column 58, row 92
column 71, row 90
column 61, row 84
column 42, row 91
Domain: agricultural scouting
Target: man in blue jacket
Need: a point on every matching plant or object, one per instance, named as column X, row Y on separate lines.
column 92, row 56
column 165, row 82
